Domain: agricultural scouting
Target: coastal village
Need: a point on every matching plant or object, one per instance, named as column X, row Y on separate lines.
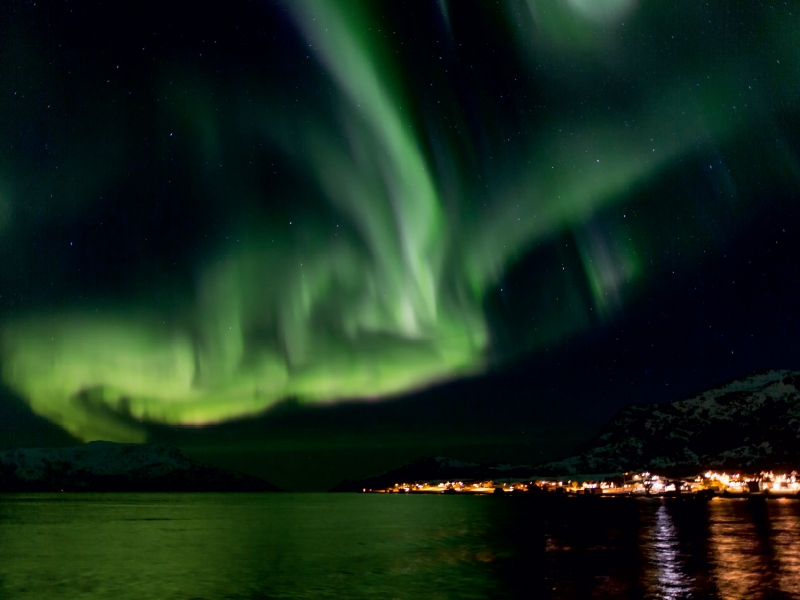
column 643, row 484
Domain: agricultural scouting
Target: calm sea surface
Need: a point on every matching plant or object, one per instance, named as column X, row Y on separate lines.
column 191, row 546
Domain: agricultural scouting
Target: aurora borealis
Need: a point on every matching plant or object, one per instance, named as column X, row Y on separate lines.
column 204, row 213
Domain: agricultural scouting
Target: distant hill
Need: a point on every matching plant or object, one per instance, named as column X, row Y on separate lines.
column 439, row 468
column 748, row 423
column 111, row 467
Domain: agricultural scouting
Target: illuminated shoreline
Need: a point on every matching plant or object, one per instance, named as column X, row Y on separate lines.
column 643, row 484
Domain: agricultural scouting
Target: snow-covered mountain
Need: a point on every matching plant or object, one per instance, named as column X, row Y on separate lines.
column 750, row 422
column 106, row 466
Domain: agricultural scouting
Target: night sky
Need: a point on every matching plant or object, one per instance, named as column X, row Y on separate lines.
column 311, row 240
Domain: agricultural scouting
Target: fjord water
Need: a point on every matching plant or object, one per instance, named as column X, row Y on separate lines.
column 242, row 546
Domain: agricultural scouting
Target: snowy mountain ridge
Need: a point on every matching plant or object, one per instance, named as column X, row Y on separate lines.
column 744, row 423
column 108, row 466
column 749, row 422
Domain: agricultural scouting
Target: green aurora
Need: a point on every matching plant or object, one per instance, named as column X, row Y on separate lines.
column 382, row 287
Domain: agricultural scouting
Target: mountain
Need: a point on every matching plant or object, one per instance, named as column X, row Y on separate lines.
column 752, row 422
column 435, row 469
column 111, row 467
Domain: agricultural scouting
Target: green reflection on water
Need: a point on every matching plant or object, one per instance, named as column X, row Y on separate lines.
column 243, row 546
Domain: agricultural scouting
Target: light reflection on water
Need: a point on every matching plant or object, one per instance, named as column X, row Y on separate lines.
column 786, row 541
column 728, row 548
column 754, row 544
column 364, row 546
column 662, row 550
column 737, row 547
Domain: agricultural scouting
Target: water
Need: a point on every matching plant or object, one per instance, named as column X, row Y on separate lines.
column 192, row 546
